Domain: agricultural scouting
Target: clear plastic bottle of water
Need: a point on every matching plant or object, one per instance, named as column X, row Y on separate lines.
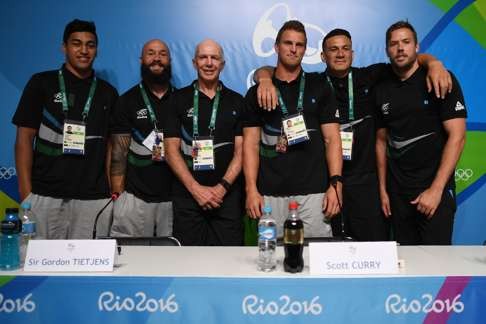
column 9, row 241
column 28, row 229
column 267, row 241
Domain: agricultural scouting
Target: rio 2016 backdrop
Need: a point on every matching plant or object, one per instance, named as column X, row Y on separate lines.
column 453, row 31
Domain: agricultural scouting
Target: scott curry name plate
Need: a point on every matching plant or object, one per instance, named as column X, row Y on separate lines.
column 70, row 256
column 353, row 258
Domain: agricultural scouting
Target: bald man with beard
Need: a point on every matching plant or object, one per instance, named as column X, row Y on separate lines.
column 138, row 168
column 204, row 149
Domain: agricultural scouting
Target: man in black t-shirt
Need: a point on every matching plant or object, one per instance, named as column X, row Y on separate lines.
column 203, row 147
column 419, row 141
column 60, row 150
column 300, row 168
column 363, row 219
column 138, row 168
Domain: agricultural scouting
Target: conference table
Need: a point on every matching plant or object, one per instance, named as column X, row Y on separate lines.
column 157, row 284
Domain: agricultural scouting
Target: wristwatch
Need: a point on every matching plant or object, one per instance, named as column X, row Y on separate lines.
column 335, row 179
column 226, row 185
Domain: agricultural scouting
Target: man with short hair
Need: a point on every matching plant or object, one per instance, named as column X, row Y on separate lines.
column 361, row 217
column 138, row 167
column 302, row 167
column 64, row 175
column 419, row 140
column 203, row 144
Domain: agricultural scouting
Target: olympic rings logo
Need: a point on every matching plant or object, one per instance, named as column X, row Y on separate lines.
column 7, row 173
column 463, row 174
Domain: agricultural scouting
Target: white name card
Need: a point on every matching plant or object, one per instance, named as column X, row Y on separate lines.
column 70, row 255
column 353, row 258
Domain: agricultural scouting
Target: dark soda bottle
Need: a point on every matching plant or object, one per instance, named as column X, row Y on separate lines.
column 293, row 240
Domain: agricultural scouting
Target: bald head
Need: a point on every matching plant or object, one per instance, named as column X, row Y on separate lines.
column 211, row 45
column 155, row 44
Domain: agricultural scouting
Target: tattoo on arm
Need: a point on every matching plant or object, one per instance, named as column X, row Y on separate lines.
column 120, row 144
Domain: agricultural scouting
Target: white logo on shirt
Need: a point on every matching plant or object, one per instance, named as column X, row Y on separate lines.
column 190, row 112
column 58, row 97
column 459, row 106
column 337, row 113
column 142, row 113
column 385, row 108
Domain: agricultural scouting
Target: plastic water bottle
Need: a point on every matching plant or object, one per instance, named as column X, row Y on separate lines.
column 293, row 240
column 9, row 242
column 267, row 241
column 28, row 229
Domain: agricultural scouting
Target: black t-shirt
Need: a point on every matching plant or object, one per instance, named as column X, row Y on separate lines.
column 228, row 125
column 361, row 168
column 302, row 169
column 416, row 136
column 55, row 174
column 149, row 180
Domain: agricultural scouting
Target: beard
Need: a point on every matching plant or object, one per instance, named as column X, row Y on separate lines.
column 156, row 78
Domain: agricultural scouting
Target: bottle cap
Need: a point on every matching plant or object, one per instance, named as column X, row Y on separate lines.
column 26, row 205
column 11, row 211
column 267, row 209
column 293, row 205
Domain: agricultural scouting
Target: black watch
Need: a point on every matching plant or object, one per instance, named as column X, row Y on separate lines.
column 335, row 179
column 226, row 185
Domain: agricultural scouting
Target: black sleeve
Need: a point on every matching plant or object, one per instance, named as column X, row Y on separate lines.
column 172, row 120
column 31, row 104
column 453, row 106
column 120, row 117
column 377, row 72
column 379, row 122
column 252, row 114
column 240, row 107
column 327, row 105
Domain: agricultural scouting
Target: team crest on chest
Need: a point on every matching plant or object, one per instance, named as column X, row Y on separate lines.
column 385, row 108
column 142, row 113
column 190, row 112
column 57, row 97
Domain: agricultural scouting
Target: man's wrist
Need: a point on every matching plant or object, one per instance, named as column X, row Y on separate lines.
column 226, row 185
column 335, row 179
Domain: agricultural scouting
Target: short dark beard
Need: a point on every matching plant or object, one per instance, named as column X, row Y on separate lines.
column 153, row 78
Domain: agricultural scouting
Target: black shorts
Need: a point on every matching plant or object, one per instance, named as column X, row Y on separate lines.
column 220, row 226
column 410, row 227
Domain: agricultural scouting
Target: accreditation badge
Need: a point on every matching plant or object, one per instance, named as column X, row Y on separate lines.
column 73, row 137
column 295, row 129
column 155, row 143
column 347, row 144
column 203, row 154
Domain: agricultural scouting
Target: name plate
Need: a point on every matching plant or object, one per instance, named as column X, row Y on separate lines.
column 70, row 255
column 353, row 258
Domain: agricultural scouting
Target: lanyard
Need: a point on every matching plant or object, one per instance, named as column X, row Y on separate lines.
column 350, row 93
column 300, row 100
column 146, row 100
column 195, row 113
column 87, row 105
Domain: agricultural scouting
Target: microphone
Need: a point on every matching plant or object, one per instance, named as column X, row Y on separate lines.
column 114, row 196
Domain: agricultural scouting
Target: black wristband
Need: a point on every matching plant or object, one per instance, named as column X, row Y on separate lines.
column 335, row 179
column 226, row 185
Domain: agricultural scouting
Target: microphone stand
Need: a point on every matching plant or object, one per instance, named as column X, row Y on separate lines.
column 114, row 196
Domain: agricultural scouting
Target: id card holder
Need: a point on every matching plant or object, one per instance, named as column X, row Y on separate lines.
column 73, row 137
column 155, row 143
column 347, row 144
column 203, row 154
column 295, row 129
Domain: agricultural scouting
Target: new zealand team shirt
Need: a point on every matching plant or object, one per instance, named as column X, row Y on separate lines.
column 416, row 136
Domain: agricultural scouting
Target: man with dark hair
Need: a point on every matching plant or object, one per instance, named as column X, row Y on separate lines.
column 419, row 141
column 203, row 147
column 352, row 87
column 64, row 175
column 302, row 167
column 138, row 167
